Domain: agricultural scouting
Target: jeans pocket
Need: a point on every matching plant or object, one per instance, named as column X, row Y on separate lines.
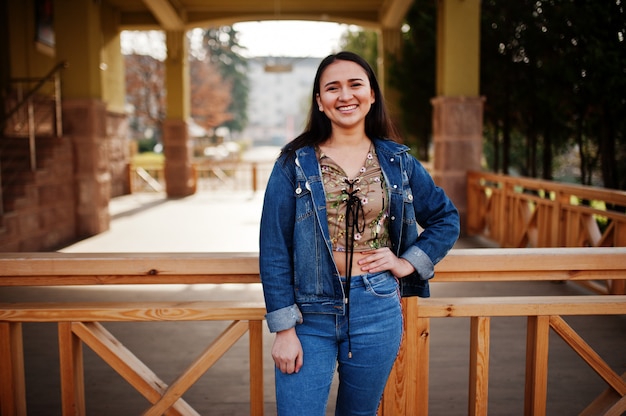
column 382, row 284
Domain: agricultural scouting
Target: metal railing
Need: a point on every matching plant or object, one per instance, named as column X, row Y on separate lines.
column 20, row 119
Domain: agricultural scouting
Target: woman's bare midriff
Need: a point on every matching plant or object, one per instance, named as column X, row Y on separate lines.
column 340, row 260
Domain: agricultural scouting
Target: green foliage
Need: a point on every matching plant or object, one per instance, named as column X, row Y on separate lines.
column 222, row 47
column 148, row 159
column 362, row 42
column 413, row 75
column 552, row 72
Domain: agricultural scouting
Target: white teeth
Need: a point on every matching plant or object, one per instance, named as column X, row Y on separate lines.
column 347, row 108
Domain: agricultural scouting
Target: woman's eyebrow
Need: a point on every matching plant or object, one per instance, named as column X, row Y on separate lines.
column 336, row 82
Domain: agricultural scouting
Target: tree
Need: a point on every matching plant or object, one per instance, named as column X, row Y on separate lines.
column 361, row 42
column 210, row 95
column 413, row 75
column 552, row 71
column 222, row 49
column 145, row 93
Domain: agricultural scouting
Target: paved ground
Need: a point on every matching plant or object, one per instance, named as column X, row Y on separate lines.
column 228, row 222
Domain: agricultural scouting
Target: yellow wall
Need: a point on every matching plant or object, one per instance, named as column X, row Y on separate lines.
column 177, row 76
column 458, row 48
column 79, row 41
column 27, row 60
column 112, row 62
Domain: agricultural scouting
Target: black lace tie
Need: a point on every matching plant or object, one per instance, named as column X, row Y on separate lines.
column 355, row 223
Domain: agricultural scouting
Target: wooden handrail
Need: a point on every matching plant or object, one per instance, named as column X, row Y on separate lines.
column 464, row 265
column 407, row 390
column 523, row 212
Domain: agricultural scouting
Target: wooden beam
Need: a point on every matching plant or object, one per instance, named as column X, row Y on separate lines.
column 132, row 311
column 522, row 306
column 392, row 13
column 166, row 14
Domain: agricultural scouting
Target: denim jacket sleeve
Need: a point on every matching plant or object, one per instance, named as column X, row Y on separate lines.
column 276, row 249
column 435, row 214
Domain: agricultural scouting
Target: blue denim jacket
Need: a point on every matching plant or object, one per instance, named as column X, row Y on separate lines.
column 297, row 267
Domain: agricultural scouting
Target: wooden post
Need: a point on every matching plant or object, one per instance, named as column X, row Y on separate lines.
column 537, row 338
column 12, row 383
column 479, row 366
column 72, row 373
column 256, row 368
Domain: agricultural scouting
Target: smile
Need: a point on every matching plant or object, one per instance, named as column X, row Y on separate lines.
column 347, row 107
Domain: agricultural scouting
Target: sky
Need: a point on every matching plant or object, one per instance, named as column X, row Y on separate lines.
column 290, row 38
column 267, row 38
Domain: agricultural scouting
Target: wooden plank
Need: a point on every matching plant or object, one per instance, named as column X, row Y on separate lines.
column 72, row 372
column 588, row 354
column 53, row 269
column 522, row 306
column 127, row 365
column 132, row 311
column 256, row 368
column 536, row 385
column 479, row 366
column 608, row 399
column 210, row 355
column 124, row 279
column 398, row 397
column 13, row 390
column 127, row 264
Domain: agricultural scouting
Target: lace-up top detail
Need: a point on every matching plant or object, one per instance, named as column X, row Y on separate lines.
column 364, row 197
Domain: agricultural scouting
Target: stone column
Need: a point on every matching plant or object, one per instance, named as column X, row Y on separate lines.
column 179, row 176
column 458, row 107
column 79, row 40
column 84, row 122
column 457, row 141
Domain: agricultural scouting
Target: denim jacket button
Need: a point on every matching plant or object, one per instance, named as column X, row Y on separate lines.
column 410, row 197
column 298, row 190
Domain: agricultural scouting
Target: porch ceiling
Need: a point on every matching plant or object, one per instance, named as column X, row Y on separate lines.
column 187, row 14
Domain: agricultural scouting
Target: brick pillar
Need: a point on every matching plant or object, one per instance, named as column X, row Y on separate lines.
column 84, row 123
column 179, row 177
column 457, row 139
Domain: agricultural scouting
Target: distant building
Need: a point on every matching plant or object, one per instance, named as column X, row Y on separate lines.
column 279, row 98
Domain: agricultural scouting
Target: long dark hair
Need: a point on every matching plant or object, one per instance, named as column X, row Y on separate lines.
column 318, row 128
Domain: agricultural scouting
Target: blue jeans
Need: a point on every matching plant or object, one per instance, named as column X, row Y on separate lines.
column 375, row 335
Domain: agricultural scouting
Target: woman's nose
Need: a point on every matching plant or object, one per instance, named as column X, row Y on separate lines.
column 345, row 94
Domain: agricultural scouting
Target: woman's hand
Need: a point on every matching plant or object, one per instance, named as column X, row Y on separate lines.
column 383, row 259
column 287, row 351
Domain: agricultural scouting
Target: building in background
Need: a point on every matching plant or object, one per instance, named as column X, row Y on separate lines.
column 279, row 98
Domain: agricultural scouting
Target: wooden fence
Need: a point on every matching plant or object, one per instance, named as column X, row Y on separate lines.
column 522, row 212
column 407, row 390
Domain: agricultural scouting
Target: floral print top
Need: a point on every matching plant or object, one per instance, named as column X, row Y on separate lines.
column 369, row 186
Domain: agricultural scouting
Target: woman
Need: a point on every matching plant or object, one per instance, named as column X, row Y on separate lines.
column 339, row 245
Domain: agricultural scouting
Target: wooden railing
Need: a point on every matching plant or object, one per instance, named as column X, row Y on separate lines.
column 407, row 390
column 209, row 175
column 522, row 212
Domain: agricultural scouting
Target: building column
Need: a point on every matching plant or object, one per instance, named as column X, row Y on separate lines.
column 78, row 41
column 179, row 176
column 458, row 108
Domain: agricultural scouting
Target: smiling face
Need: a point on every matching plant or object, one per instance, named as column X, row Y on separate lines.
column 345, row 96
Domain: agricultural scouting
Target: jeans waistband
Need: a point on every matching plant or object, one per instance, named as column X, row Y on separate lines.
column 358, row 280
column 355, row 281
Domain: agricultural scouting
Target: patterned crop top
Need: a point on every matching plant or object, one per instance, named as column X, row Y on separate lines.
column 369, row 228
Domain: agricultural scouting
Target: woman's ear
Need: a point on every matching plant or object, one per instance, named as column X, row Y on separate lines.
column 319, row 103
